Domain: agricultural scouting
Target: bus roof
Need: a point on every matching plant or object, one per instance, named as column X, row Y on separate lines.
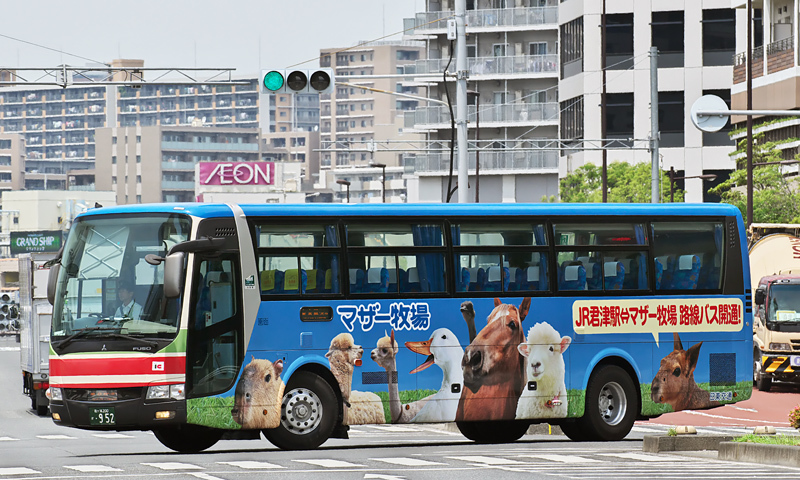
column 211, row 210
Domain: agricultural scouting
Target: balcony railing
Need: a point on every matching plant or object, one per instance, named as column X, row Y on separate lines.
column 507, row 159
column 497, row 17
column 177, row 185
column 225, row 147
column 524, row 113
column 177, row 166
column 523, row 64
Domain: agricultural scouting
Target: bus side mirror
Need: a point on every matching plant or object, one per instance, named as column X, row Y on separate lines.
column 174, row 275
column 52, row 280
column 761, row 296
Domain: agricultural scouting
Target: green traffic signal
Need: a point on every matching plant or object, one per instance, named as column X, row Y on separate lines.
column 273, row 81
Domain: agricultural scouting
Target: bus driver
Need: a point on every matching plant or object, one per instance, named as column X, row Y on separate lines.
column 129, row 308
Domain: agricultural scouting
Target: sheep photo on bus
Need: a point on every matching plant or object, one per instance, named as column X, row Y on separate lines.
column 298, row 321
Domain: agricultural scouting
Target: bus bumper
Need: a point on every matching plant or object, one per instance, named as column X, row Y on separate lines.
column 127, row 414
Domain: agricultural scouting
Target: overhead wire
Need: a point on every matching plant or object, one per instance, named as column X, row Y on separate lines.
column 52, row 49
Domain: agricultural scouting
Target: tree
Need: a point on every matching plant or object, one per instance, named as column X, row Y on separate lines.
column 626, row 184
column 775, row 197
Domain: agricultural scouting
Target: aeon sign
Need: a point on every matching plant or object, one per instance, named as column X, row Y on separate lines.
column 237, row 173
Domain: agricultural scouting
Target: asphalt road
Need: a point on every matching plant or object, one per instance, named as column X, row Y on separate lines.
column 33, row 447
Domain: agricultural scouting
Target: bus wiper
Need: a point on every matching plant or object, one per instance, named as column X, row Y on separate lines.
column 132, row 338
column 80, row 333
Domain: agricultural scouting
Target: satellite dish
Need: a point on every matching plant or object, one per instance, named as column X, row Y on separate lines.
column 709, row 123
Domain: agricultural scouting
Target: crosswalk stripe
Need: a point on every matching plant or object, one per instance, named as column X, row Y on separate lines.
column 251, row 465
column 391, row 428
column 92, row 468
column 328, row 463
column 643, row 457
column 173, row 466
column 112, row 435
column 571, row 459
column 486, row 460
column 408, row 462
column 17, row 471
column 56, row 437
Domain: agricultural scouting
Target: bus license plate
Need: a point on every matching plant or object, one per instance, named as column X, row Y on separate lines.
column 102, row 416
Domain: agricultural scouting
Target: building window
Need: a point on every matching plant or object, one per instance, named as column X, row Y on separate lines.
column 572, row 118
column 138, row 139
column 113, row 140
column 138, row 159
column 537, row 48
column 719, row 36
column 572, row 48
column 671, row 116
column 138, row 199
column 619, row 115
column 113, row 159
column 619, row 41
column 499, row 49
column 138, row 179
column 667, row 29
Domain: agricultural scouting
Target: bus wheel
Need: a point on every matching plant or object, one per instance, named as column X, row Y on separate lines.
column 308, row 413
column 188, row 438
column 611, row 404
column 574, row 430
column 503, row 431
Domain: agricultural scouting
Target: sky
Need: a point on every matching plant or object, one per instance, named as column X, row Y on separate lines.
column 248, row 35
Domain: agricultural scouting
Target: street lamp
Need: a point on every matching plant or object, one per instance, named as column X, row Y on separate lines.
column 383, row 178
column 477, row 96
column 672, row 179
column 347, row 185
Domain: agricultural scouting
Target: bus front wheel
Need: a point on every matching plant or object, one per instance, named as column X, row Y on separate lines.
column 188, row 438
column 504, row 431
column 611, row 404
column 308, row 413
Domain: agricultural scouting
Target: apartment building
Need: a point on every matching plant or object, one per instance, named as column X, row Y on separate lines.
column 58, row 124
column 12, row 162
column 696, row 43
column 294, row 113
column 294, row 147
column 513, row 96
column 776, row 76
column 360, row 127
column 147, row 164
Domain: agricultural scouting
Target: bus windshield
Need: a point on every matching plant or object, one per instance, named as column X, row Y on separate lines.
column 106, row 288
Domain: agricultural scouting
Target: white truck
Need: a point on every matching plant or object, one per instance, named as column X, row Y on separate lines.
column 34, row 333
column 775, row 279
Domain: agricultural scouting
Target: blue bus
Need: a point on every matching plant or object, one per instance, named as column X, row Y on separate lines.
column 209, row 321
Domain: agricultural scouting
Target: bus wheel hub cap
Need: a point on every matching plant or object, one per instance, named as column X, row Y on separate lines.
column 301, row 411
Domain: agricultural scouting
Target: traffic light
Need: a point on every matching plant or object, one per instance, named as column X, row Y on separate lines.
column 9, row 312
column 297, row 81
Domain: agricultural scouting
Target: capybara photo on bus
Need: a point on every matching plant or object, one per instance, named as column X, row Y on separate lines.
column 674, row 383
column 257, row 402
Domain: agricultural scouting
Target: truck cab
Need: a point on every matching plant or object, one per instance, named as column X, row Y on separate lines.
column 776, row 331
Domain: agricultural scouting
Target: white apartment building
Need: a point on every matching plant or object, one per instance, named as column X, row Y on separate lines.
column 512, row 50
column 696, row 43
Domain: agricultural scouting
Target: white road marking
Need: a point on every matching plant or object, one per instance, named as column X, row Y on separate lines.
column 204, row 476
column 92, row 468
column 9, row 349
column 17, row 471
column 251, row 465
column 326, row 463
column 112, row 435
column 174, row 466
column 486, row 460
column 647, row 429
column 56, row 437
column 571, row 459
column 643, row 457
column 391, row 428
column 8, row 439
column 408, row 462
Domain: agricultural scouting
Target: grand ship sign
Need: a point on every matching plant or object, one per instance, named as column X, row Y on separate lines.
column 237, row 173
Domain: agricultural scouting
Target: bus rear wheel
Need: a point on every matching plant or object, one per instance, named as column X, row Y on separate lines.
column 611, row 405
column 188, row 438
column 308, row 413
column 504, row 431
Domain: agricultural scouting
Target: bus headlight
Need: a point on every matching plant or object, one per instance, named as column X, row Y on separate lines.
column 174, row 392
column 54, row 394
column 779, row 346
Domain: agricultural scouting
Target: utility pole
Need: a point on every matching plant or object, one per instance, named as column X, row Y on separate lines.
column 655, row 171
column 603, row 127
column 461, row 101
